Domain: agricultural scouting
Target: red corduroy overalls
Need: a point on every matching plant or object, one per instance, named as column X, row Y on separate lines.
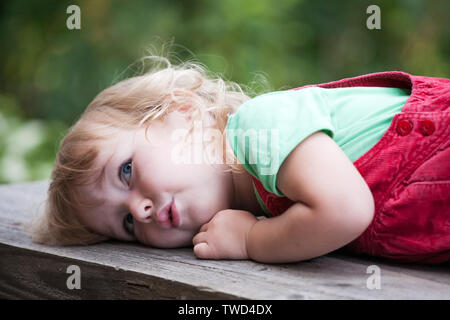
column 408, row 172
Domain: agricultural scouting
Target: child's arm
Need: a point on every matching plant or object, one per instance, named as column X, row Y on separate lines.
column 333, row 206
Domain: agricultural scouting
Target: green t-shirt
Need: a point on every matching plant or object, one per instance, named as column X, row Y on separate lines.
column 265, row 129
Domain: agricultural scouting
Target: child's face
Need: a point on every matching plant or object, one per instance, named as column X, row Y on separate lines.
column 141, row 178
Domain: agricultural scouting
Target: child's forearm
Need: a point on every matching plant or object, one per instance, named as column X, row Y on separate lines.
column 300, row 233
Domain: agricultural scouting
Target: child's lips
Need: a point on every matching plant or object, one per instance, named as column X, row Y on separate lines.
column 175, row 215
column 168, row 216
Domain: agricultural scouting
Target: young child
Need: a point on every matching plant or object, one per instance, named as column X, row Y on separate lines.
column 176, row 157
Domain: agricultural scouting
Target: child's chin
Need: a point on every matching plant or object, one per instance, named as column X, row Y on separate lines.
column 172, row 244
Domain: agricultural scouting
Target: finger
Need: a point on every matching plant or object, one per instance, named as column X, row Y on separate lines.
column 204, row 228
column 203, row 251
column 199, row 237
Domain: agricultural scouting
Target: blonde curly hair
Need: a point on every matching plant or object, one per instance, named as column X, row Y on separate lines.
column 131, row 103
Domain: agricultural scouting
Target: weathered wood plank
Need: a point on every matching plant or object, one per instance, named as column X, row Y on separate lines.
column 127, row 270
column 28, row 274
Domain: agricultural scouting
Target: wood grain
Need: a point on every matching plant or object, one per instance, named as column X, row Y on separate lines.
column 119, row 270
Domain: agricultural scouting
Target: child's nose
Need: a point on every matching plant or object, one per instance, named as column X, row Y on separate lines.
column 141, row 209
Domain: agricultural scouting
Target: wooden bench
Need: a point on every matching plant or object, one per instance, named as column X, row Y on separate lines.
column 117, row 270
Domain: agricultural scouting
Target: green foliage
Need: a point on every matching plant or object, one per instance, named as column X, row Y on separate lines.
column 27, row 147
column 49, row 74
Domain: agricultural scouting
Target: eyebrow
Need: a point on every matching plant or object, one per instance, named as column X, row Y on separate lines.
column 102, row 175
column 111, row 230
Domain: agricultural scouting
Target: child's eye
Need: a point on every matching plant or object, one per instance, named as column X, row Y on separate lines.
column 128, row 224
column 125, row 171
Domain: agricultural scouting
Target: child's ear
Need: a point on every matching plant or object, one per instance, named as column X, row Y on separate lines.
column 186, row 110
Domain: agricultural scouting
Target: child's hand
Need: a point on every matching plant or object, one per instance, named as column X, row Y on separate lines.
column 225, row 236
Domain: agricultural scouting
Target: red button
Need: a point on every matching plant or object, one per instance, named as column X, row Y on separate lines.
column 427, row 127
column 404, row 127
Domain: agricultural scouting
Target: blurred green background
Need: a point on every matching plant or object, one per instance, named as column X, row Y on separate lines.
column 49, row 74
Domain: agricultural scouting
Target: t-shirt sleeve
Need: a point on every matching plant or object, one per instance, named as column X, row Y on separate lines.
column 265, row 129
